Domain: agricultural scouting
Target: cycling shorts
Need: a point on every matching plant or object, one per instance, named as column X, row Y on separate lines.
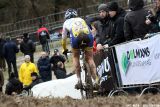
column 86, row 38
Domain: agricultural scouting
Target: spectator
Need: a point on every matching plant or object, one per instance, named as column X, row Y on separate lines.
column 154, row 21
column 9, row 51
column 14, row 86
column 102, row 26
column 27, row 46
column 134, row 24
column 2, row 59
column 43, row 35
column 56, row 58
column 94, row 33
column 1, row 80
column 116, row 31
column 25, row 71
column 35, row 80
column 60, row 73
column 44, row 67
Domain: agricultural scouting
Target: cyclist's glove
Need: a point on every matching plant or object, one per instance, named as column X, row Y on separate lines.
column 65, row 52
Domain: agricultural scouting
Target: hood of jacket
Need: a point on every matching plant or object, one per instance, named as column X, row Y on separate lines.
column 136, row 4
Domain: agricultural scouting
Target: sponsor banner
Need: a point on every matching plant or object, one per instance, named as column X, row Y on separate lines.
column 139, row 61
column 103, row 61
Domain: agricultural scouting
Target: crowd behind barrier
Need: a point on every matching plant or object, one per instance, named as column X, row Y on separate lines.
column 130, row 65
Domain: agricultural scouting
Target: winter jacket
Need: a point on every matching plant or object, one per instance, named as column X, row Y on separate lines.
column 27, row 46
column 134, row 25
column 155, row 22
column 44, row 68
column 43, row 35
column 116, row 31
column 60, row 73
column 2, row 42
column 25, row 72
column 9, row 50
column 55, row 59
column 13, row 85
column 35, row 82
column 102, row 27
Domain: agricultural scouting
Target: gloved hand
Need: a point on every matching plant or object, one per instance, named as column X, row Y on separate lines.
column 65, row 52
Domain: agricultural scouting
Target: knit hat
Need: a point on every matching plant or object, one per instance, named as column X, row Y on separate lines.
column 113, row 6
column 102, row 7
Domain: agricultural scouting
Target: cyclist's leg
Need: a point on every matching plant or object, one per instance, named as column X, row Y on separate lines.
column 76, row 63
column 90, row 61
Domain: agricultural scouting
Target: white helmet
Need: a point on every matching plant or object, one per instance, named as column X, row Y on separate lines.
column 71, row 13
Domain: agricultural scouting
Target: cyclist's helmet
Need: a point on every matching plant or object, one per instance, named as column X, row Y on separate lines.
column 71, row 13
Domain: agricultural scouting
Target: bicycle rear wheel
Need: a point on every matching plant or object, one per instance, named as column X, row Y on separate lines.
column 88, row 81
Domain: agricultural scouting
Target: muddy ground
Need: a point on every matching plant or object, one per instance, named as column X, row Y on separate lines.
column 119, row 101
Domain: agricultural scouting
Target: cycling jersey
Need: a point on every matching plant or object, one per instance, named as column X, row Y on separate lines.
column 75, row 27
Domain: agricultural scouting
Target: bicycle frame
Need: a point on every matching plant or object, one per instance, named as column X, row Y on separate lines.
column 87, row 86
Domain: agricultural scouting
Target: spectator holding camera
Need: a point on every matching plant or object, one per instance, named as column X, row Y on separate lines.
column 55, row 58
column 154, row 21
column 134, row 22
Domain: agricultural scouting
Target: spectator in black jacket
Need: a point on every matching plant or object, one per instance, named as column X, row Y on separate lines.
column 134, row 25
column 102, row 23
column 2, row 59
column 56, row 58
column 14, row 86
column 35, row 80
column 9, row 51
column 44, row 67
column 27, row 46
column 116, row 31
column 60, row 73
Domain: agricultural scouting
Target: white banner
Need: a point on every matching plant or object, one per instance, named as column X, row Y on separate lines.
column 139, row 61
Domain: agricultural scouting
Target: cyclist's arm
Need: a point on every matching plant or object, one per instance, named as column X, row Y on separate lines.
column 64, row 37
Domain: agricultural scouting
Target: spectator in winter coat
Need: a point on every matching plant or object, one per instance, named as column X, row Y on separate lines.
column 2, row 59
column 14, row 86
column 27, row 46
column 134, row 24
column 102, row 23
column 154, row 21
column 44, row 67
column 35, row 80
column 116, row 31
column 25, row 71
column 43, row 35
column 60, row 73
column 56, row 58
column 9, row 51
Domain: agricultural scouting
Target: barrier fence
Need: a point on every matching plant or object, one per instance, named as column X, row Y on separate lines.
column 130, row 65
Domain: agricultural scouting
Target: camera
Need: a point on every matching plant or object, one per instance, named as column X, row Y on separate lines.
column 149, row 16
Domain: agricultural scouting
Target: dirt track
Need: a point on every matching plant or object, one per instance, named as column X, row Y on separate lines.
column 121, row 101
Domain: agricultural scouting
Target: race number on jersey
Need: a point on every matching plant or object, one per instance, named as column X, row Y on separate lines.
column 79, row 27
